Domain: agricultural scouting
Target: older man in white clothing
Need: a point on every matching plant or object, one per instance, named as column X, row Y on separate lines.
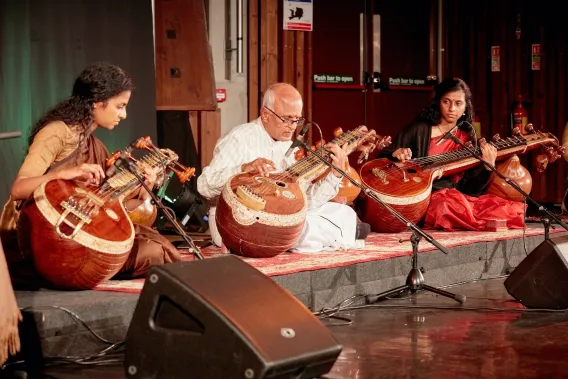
column 260, row 146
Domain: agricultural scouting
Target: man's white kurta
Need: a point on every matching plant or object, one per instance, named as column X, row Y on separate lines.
column 329, row 226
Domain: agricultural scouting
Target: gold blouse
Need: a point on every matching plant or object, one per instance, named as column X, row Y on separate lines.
column 53, row 143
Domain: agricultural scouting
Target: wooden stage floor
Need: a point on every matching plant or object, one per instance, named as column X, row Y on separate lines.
column 427, row 336
column 418, row 336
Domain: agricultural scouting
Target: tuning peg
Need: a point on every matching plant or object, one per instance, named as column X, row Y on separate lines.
column 541, row 162
column 552, row 154
column 110, row 160
column 496, row 138
column 143, row 142
column 299, row 154
column 516, row 131
column 529, row 128
column 337, row 132
column 549, row 150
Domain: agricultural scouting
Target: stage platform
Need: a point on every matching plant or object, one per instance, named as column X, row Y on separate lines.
column 319, row 280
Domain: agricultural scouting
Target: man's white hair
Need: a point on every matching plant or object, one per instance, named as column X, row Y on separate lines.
column 270, row 94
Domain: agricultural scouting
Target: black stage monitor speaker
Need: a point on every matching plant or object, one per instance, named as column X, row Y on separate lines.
column 220, row 318
column 541, row 279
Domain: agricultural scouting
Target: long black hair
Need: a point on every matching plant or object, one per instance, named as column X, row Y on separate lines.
column 431, row 114
column 98, row 82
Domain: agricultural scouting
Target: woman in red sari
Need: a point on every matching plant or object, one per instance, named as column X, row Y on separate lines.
column 457, row 202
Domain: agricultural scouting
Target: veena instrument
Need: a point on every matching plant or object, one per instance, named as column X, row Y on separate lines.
column 512, row 169
column 79, row 236
column 259, row 216
column 407, row 186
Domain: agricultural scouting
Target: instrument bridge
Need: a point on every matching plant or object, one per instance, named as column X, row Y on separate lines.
column 81, row 206
column 249, row 198
column 77, row 212
column 382, row 175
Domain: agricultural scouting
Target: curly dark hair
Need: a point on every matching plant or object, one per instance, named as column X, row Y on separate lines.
column 98, row 82
column 431, row 114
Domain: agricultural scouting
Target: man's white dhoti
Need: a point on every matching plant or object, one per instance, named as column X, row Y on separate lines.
column 329, row 226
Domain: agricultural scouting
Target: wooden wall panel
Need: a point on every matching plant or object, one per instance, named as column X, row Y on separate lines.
column 308, row 78
column 296, row 64
column 269, row 44
column 288, row 59
column 253, row 59
column 184, row 65
column 276, row 55
column 300, row 62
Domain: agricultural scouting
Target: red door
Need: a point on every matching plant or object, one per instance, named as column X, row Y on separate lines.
column 362, row 40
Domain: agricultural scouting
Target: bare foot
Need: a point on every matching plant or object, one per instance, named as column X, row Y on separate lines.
column 9, row 314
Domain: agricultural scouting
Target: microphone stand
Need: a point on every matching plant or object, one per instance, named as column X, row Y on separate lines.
column 8, row 135
column 512, row 183
column 415, row 279
column 192, row 247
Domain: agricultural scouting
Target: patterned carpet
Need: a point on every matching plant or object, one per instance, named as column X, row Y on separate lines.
column 377, row 247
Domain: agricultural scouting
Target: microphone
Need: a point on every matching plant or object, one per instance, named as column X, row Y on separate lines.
column 448, row 134
column 298, row 141
column 118, row 163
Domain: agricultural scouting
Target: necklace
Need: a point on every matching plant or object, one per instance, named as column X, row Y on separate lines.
column 442, row 131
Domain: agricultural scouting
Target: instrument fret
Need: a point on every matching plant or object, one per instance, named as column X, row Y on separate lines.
column 456, row 155
column 311, row 162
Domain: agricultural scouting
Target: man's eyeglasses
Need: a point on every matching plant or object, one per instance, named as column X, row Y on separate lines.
column 289, row 120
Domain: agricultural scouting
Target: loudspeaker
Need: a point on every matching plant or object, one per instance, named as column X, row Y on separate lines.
column 222, row 318
column 541, row 279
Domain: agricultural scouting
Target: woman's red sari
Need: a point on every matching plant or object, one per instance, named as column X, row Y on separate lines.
column 451, row 210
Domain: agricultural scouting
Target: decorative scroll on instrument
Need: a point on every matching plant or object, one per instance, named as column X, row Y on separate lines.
column 140, row 211
column 260, row 216
column 407, row 186
column 79, row 236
